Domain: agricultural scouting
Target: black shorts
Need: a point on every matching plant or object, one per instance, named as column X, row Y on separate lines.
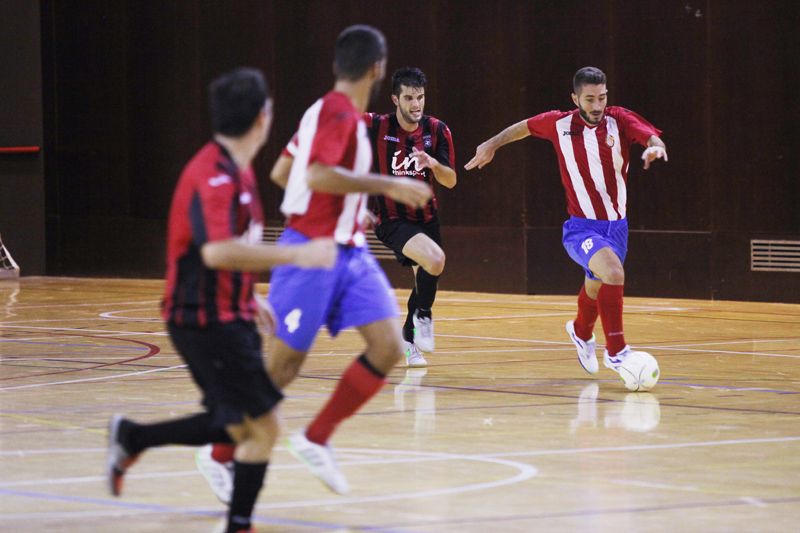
column 226, row 363
column 396, row 232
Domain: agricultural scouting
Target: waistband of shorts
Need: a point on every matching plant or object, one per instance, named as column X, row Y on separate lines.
column 292, row 236
column 592, row 223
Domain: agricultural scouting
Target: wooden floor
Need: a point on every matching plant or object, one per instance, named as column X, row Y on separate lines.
column 504, row 432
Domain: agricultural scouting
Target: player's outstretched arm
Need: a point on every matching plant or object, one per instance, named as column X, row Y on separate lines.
column 656, row 149
column 484, row 153
column 443, row 174
column 280, row 171
column 331, row 180
column 233, row 254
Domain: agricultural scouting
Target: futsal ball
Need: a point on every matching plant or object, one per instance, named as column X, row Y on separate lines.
column 639, row 371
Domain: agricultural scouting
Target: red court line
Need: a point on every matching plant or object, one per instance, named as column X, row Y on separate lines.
column 153, row 350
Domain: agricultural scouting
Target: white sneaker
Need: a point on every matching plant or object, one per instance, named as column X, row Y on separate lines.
column 587, row 355
column 423, row 333
column 414, row 357
column 118, row 458
column 614, row 362
column 320, row 460
column 219, row 475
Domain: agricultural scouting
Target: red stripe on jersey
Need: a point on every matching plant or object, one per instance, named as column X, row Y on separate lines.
column 573, row 206
column 212, row 201
column 607, row 162
column 579, row 150
column 321, row 217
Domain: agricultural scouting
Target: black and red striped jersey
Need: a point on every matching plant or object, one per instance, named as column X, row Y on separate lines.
column 214, row 200
column 392, row 155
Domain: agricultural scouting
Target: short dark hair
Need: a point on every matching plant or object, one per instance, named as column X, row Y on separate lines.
column 587, row 76
column 408, row 76
column 235, row 99
column 357, row 49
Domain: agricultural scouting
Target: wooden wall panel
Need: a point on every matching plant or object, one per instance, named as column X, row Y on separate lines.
column 717, row 77
column 22, row 197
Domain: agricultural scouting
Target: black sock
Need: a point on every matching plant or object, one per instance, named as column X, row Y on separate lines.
column 248, row 478
column 193, row 430
column 408, row 327
column 426, row 292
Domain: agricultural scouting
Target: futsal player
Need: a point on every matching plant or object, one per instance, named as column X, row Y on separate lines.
column 215, row 225
column 326, row 196
column 409, row 143
column 592, row 143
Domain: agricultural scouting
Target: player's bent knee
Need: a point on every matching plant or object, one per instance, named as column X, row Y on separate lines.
column 437, row 265
column 615, row 276
column 284, row 369
column 386, row 356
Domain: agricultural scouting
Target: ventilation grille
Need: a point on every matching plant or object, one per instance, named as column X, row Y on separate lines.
column 775, row 256
column 378, row 249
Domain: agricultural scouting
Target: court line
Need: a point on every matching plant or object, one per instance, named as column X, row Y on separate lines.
column 85, row 380
column 152, row 350
column 86, row 330
column 109, row 304
column 644, row 447
column 579, row 513
column 524, row 472
column 138, row 508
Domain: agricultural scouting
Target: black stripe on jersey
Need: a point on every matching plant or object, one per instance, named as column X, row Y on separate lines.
column 209, row 289
column 185, row 298
column 419, row 214
column 445, row 156
column 394, row 131
column 199, row 233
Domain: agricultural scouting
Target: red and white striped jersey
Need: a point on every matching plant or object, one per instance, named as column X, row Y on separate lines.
column 594, row 160
column 331, row 133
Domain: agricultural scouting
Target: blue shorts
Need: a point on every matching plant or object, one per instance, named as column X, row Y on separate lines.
column 582, row 238
column 355, row 292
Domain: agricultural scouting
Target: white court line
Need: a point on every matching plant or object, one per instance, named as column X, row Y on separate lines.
column 650, row 485
column 85, row 380
column 524, row 472
column 570, row 303
column 539, row 315
column 105, row 304
column 628, row 308
column 644, row 447
column 725, row 352
column 743, row 341
column 504, row 339
column 111, row 314
column 434, row 456
column 40, row 320
column 753, row 501
column 81, row 330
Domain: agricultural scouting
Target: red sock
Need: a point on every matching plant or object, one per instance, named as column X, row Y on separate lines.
column 359, row 383
column 587, row 315
column 222, row 453
column 609, row 302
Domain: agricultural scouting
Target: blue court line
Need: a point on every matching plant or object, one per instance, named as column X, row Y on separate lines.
column 165, row 509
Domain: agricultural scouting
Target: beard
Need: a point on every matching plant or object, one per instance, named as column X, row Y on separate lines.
column 589, row 118
column 408, row 117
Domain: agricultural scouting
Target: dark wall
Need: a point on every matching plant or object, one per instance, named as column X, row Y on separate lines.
column 22, row 213
column 125, row 82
